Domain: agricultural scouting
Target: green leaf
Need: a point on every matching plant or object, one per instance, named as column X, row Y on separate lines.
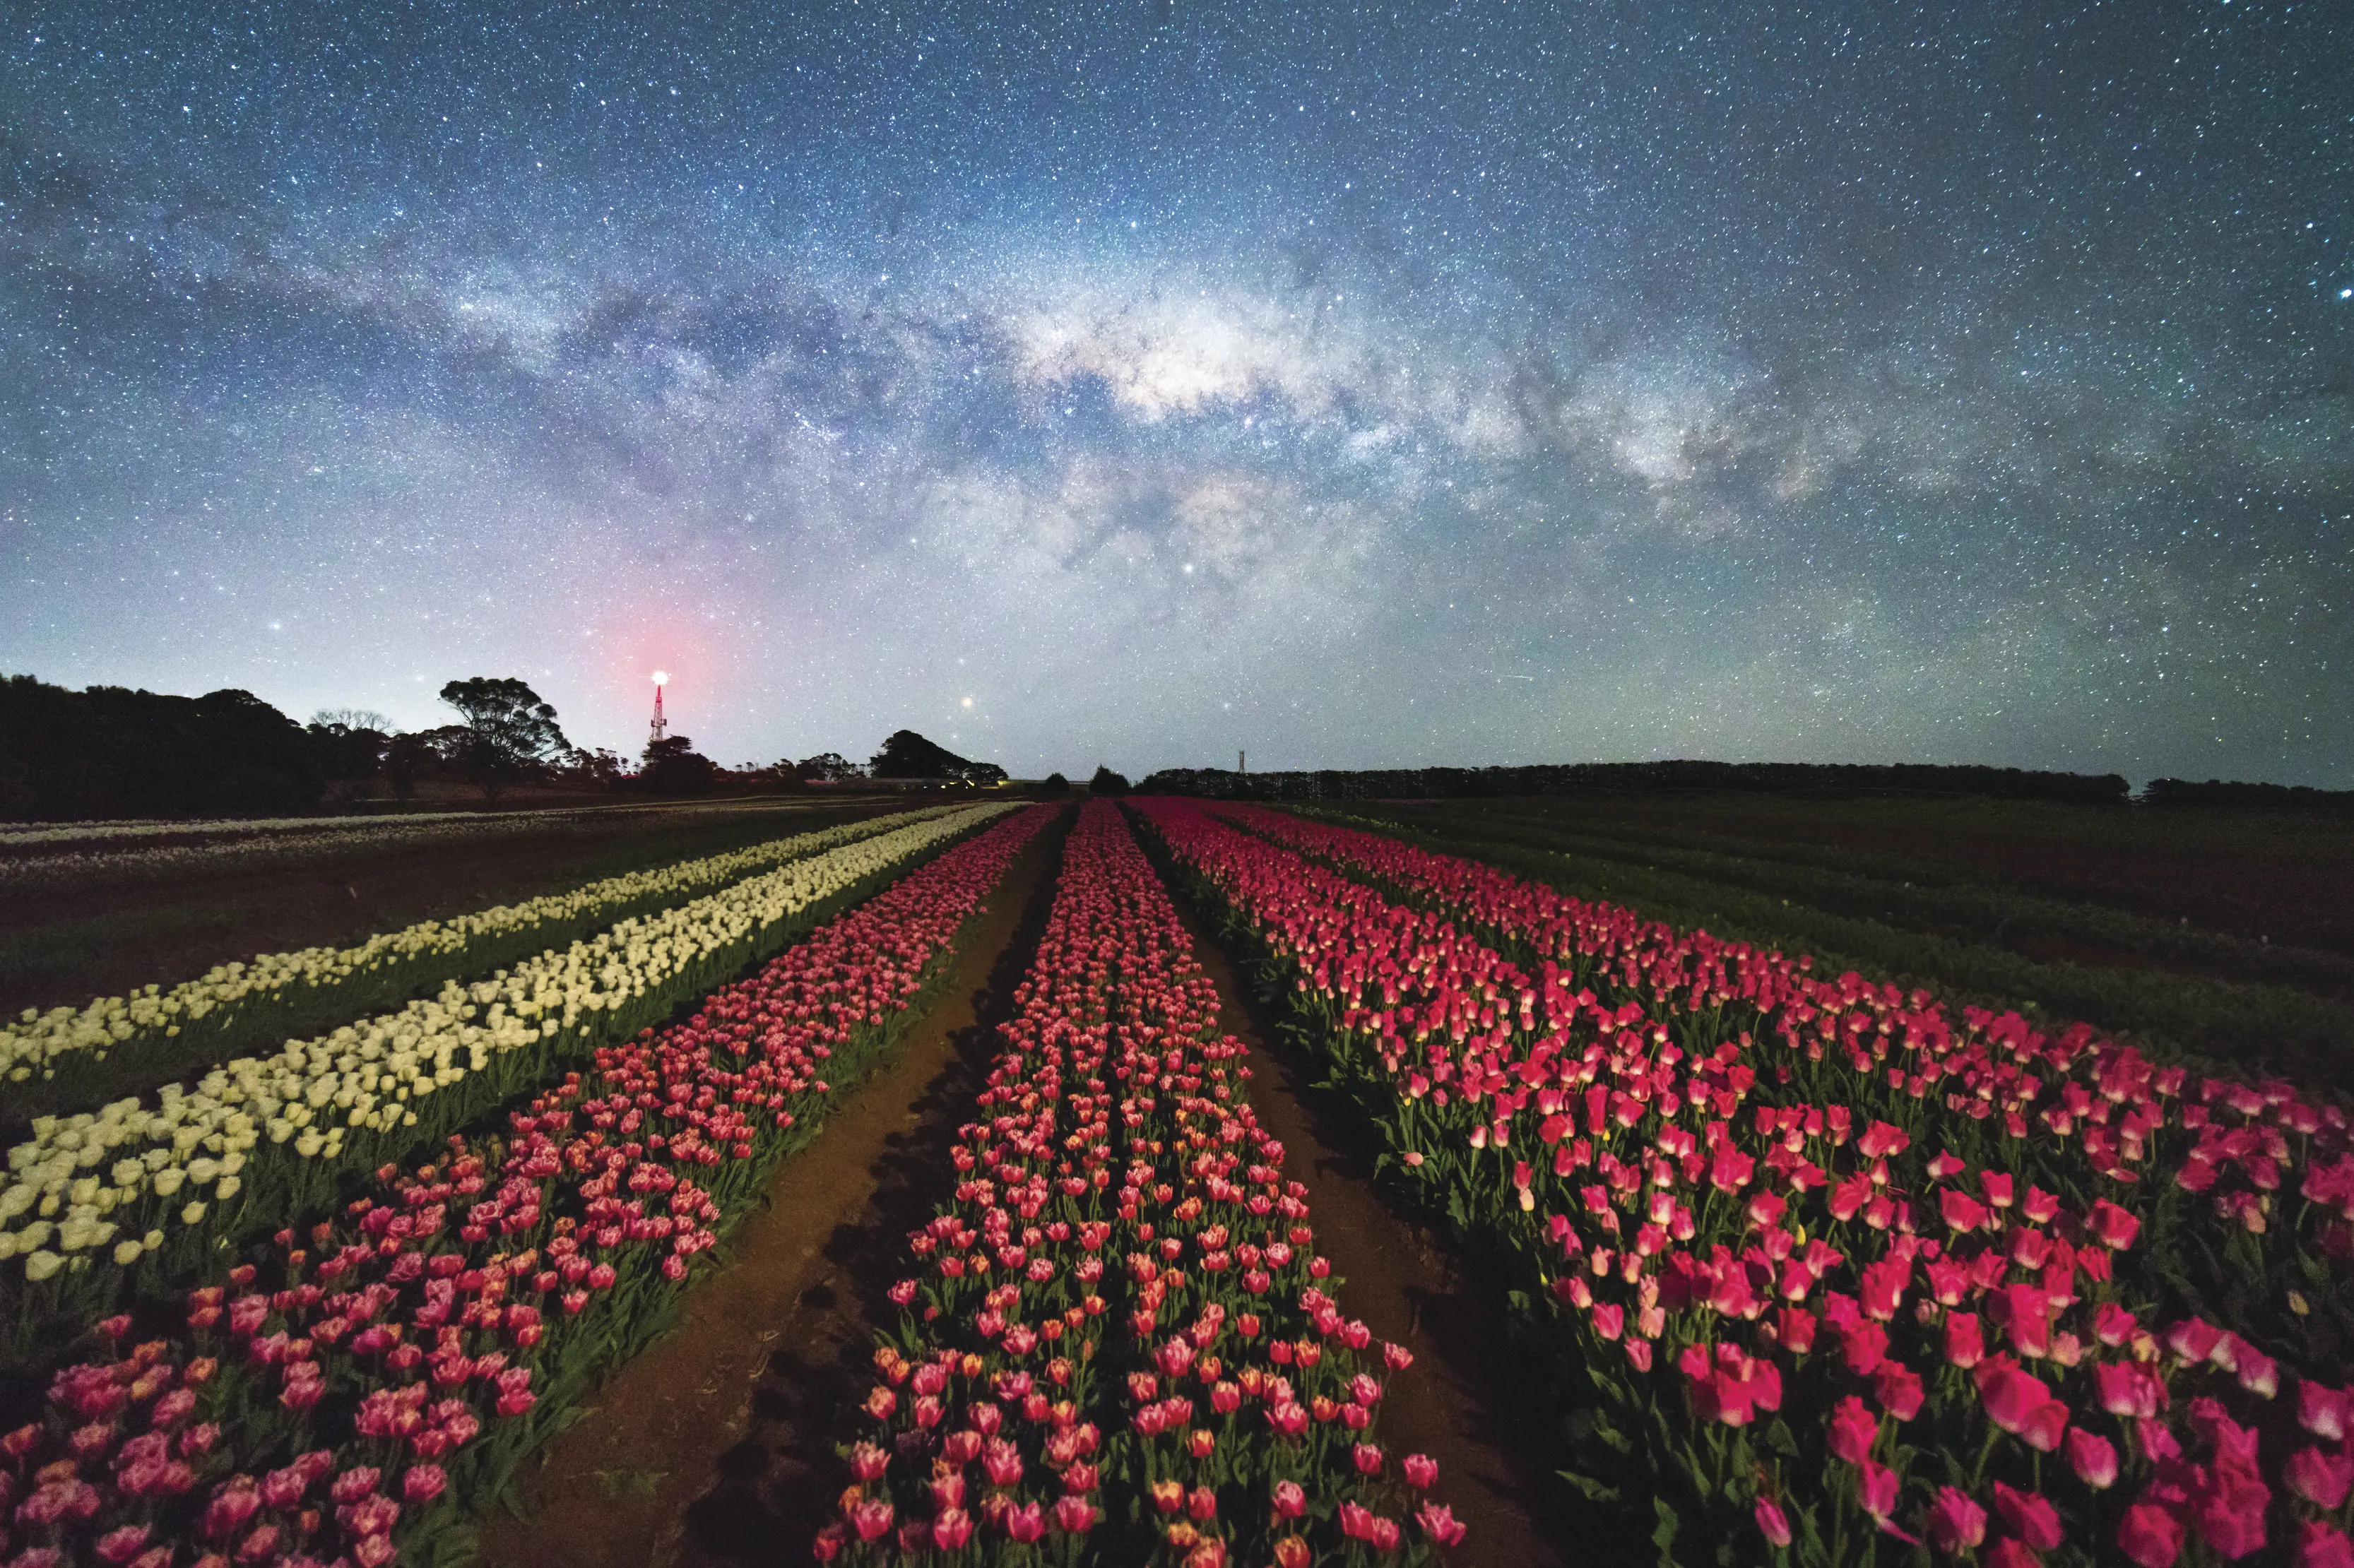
column 1592, row 1488
column 1663, row 1535
column 1779, row 1439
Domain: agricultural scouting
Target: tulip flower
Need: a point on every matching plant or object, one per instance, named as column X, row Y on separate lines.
column 2092, row 1459
column 2150, row 1536
column 2029, row 1516
column 1955, row 1523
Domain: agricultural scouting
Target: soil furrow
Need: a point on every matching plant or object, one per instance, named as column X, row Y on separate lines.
column 1467, row 1402
column 716, row 1446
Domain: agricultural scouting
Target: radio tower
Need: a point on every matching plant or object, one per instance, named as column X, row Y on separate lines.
column 661, row 678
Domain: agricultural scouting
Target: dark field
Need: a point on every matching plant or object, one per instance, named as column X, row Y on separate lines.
column 2227, row 935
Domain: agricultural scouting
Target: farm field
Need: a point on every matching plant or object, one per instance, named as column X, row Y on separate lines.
column 2225, row 933
column 1190, row 1183
column 68, row 939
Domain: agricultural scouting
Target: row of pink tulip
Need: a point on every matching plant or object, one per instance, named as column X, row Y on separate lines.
column 1119, row 1344
column 1837, row 1305
column 335, row 1400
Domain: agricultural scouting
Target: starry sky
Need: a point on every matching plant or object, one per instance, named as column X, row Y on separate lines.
column 1138, row 383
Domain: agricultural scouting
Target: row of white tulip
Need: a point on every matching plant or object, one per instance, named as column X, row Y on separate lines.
column 289, row 839
column 292, row 989
column 124, row 1184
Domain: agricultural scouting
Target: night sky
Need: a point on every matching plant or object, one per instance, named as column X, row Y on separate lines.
column 1138, row 383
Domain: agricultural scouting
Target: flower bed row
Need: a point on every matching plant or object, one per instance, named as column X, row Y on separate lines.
column 77, row 1053
column 1850, row 1275
column 141, row 1197
column 348, row 1393
column 2085, row 1113
column 27, row 859
column 1119, row 1345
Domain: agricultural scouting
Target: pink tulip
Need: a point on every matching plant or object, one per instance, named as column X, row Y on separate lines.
column 1439, row 1522
column 1772, row 1522
column 1853, row 1431
column 2028, row 1516
column 2092, row 1459
column 2320, row 1545
column 1026, row 1522
column 2320, row 1476
column 1955, row 1523
column 2150, row 1536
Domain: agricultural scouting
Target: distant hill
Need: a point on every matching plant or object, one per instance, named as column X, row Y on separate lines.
column 907, row 754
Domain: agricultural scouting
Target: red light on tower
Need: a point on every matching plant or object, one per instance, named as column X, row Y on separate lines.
column 661, row 679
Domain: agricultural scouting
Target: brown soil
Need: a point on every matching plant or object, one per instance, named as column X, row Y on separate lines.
column 1468, row 1401
column 716, row 1446
column 67, row 944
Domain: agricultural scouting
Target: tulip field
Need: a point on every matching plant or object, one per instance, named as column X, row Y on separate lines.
column 332, row 1394
column 1814, row 1270
column 1117, row 1346
column 1831, row 1274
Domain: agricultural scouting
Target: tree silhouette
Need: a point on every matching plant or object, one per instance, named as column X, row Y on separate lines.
column 907, row 754
column 513, row 730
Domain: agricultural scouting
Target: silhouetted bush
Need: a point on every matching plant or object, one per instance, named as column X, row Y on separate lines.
column 2263, row 797
column 108, row 751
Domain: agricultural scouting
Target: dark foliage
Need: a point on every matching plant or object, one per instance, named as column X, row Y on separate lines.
column 513, row 734
column 828, row 767
column 112, row 752
column 2263, row 797
column 350, row 756
column 1055, row 784
column 1107, row 782
column 1643, row 778
column 907, row 754
column 673, row 767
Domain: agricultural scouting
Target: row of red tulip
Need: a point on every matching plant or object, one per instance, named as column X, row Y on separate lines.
column 332, row 1402
column 1837, row 1303
column 1119, row 1344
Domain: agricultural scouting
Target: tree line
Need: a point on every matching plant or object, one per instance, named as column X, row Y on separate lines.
column 112, row 752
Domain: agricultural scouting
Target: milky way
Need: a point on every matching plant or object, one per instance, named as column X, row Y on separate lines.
column 1138, row 384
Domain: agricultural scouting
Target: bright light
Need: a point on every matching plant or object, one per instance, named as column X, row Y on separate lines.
column 661, row 677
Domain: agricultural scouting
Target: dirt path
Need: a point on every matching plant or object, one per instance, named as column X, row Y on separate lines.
column 1466, row 1401
column 750, row 1388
